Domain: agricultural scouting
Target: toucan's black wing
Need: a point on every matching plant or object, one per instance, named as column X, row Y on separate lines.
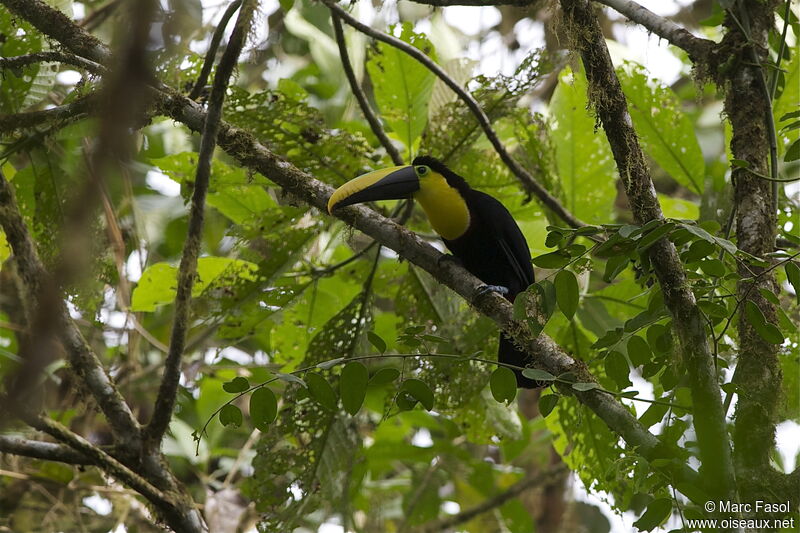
column 500, row 225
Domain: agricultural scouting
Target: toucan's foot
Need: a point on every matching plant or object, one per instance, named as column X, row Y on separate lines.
column 483, row 289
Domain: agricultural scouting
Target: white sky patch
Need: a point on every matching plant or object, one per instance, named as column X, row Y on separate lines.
column 330, row 528
column 422, row 438
column 451, row 507
column 472, row 20
column 133, row 266
column 98, row 504
column 68, row 77
column 158, row 181
column 787, row 438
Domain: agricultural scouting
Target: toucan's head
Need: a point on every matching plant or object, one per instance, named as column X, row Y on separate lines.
column 396, row 183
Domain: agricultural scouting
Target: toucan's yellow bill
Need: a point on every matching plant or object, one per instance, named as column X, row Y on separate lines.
column 393, row 183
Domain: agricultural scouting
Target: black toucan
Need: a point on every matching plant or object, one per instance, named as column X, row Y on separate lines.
column 476, row 227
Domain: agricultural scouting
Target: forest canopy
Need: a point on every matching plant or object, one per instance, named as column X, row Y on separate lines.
column 190, row 341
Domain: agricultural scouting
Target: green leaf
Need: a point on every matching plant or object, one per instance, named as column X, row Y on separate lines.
column 157, row 286
column 327, row 365
column 615, row 265
column 384, row 376
column 609, row 339
column 793, row 275
column 793, row 153
column 768, row 332
column 585, row 386
column 503, row 384
column 402, row 86
column 666, row 131
column 583, row 158
column 230, row 415
column 237, row 384
column 617, row 369
column 657, row 511
column 321, row 390
column 713, row 309
column 653, row 415
column 290, row 378
column 538, row 374
column 420, row 391
column 353, row 386
column 376, row 341
column 567, row 293
column 639, row 351
column 651, row 237
column 547, row 402
column 263, row 408
column 405, row 401
column 555, row 259
column 713, row 267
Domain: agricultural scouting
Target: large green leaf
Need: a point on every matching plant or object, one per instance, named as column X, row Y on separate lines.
column 158, row 284
column 403, row 86
column 665, row 130
column 583, row 156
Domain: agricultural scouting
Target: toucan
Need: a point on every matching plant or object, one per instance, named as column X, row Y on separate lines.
column 478, row 230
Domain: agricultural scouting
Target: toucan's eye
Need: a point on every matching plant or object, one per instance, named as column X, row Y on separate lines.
column 422, row 170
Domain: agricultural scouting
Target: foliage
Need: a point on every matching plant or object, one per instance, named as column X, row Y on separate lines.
column 328, row 381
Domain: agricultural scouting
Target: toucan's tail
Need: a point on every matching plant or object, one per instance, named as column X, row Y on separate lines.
column 508, row 353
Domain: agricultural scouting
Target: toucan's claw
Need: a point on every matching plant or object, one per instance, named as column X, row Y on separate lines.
column 483, row 289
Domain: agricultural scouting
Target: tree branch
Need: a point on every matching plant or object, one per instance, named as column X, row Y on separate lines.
column 374, row 122
column 605, row 94
column 37, row 449
column 63, row 114
column 57, row 25
column 57, row 57
column 697, row 48
column 165, row 402
column 495, row 501
column 529, row 183
column 176, row 515
column 208, row 61
column 84, row 362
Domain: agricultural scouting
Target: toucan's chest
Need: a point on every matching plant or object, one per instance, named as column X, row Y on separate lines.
column 445, row 208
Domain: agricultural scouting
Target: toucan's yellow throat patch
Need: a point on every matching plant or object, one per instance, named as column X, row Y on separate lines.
column 444, row 205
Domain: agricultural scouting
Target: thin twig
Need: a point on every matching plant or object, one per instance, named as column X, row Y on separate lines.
column 165, row 402
column 49, row 451
column 374, row 122
column 529, row 183
column 697, row 48
column 58, row 57
column 208, row 62
column 495, row 501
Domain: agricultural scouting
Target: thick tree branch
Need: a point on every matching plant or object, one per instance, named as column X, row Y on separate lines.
column 58, row 26
column 84, row 362
column 529, row 183
column 605, row 94
column 208, row 61
column 758, row 369
column 37, row 449
column 63, row 114
column 165, row 402
column 697, row 48
column 173, row 512
column 57, row 57
column 374, row 122
column 495, row 501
